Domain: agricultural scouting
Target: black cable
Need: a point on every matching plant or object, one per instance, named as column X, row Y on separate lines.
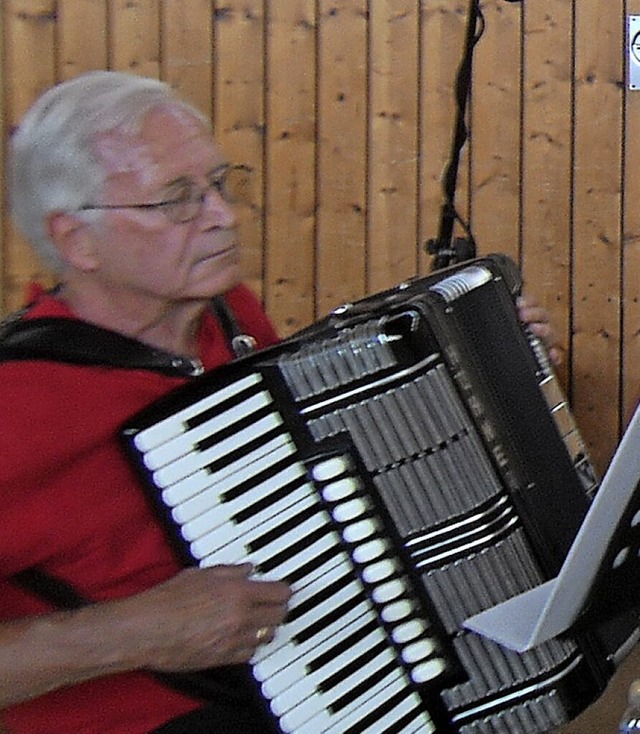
column 445, row 248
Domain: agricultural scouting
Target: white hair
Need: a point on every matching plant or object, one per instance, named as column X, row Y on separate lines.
column 52, row 161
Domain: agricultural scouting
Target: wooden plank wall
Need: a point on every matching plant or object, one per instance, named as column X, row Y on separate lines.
column 345, row 110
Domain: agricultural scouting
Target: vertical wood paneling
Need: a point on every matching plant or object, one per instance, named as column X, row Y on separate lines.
column 495, row 122
column 186, row 47
column 134, row 32
column 547, row 159
column 597, row 247
column 345, row 112
column 28, row 25
column 342, row 153
column 82, row 38
column 239, row 114
column 290, row 165
column 393, row 243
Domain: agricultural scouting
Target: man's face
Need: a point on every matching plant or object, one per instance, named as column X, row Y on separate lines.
column 141, row 252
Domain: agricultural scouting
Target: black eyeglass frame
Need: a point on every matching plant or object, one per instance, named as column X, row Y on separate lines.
column 218, row 176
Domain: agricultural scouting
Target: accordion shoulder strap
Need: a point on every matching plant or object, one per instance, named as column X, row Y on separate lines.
column 73, row 341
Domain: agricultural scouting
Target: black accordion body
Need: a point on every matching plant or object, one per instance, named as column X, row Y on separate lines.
column 403, row 464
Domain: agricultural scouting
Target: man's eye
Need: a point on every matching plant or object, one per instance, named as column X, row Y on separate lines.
column 217, row 179
column 177, row 194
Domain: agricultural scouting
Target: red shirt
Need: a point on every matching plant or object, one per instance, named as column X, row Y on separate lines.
column 70, row 504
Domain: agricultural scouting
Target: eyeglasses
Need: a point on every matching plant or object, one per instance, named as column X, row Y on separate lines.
column 186, row 198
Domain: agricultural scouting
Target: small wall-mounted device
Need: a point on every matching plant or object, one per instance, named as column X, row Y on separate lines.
column 633, row 46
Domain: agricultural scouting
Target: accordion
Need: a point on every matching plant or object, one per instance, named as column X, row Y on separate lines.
column 403, row 464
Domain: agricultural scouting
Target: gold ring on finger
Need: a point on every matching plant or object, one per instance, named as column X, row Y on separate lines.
column 262, row 634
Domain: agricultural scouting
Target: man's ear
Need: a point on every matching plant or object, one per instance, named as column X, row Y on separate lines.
column 73, row 240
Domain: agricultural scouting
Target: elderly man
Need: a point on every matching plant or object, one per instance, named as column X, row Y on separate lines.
column 119, row 187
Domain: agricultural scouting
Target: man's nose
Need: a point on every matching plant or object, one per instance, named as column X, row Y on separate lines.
column 216, row 209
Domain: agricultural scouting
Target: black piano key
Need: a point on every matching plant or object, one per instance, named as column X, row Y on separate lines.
column 354, row 666
column 272, row 563
column 334, row 615
column 206, row 414
column 234, row 428
column 325, row 593
column 283, row 527
column 352, row 639
column 265, row 501
column 374, row 715
column 311, row 565
column 242, row 450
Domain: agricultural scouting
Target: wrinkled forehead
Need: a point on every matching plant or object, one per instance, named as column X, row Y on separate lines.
column 167, row 136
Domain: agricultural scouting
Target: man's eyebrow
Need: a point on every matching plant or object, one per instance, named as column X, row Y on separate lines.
column 188, row 181
column 218, row 168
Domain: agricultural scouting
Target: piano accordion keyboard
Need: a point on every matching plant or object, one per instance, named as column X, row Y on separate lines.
column 355, row 645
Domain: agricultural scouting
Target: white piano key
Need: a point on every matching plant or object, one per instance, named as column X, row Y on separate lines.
column 186, row 465
column 277, row 449
column 306, row 709
column 225, row 537
column 218, row 494
column 291, row 668
column 303, row 700
column 165, row 429
column 342, row 720
column 240, row 554
column 208, row 517
column 337, row 723
column 293, row 564
column 285, row 632
column 418, row 725
column 382, row 691
column 336, row 562
column 270, row 665
column 254, row 527
column 404, row 707
column 187, row 442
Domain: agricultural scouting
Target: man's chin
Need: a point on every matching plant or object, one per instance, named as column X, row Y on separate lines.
column 219, row 283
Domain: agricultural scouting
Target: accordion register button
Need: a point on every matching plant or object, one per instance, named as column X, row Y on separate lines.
column 358, row 531
column 349, row 510
column 369, row 551
column 418, row 651
column 377, row 572
column 407, row 631
column 428, row 670
column 330, row 469
column 388, row 591
column 338, row 490
column 396, row 611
